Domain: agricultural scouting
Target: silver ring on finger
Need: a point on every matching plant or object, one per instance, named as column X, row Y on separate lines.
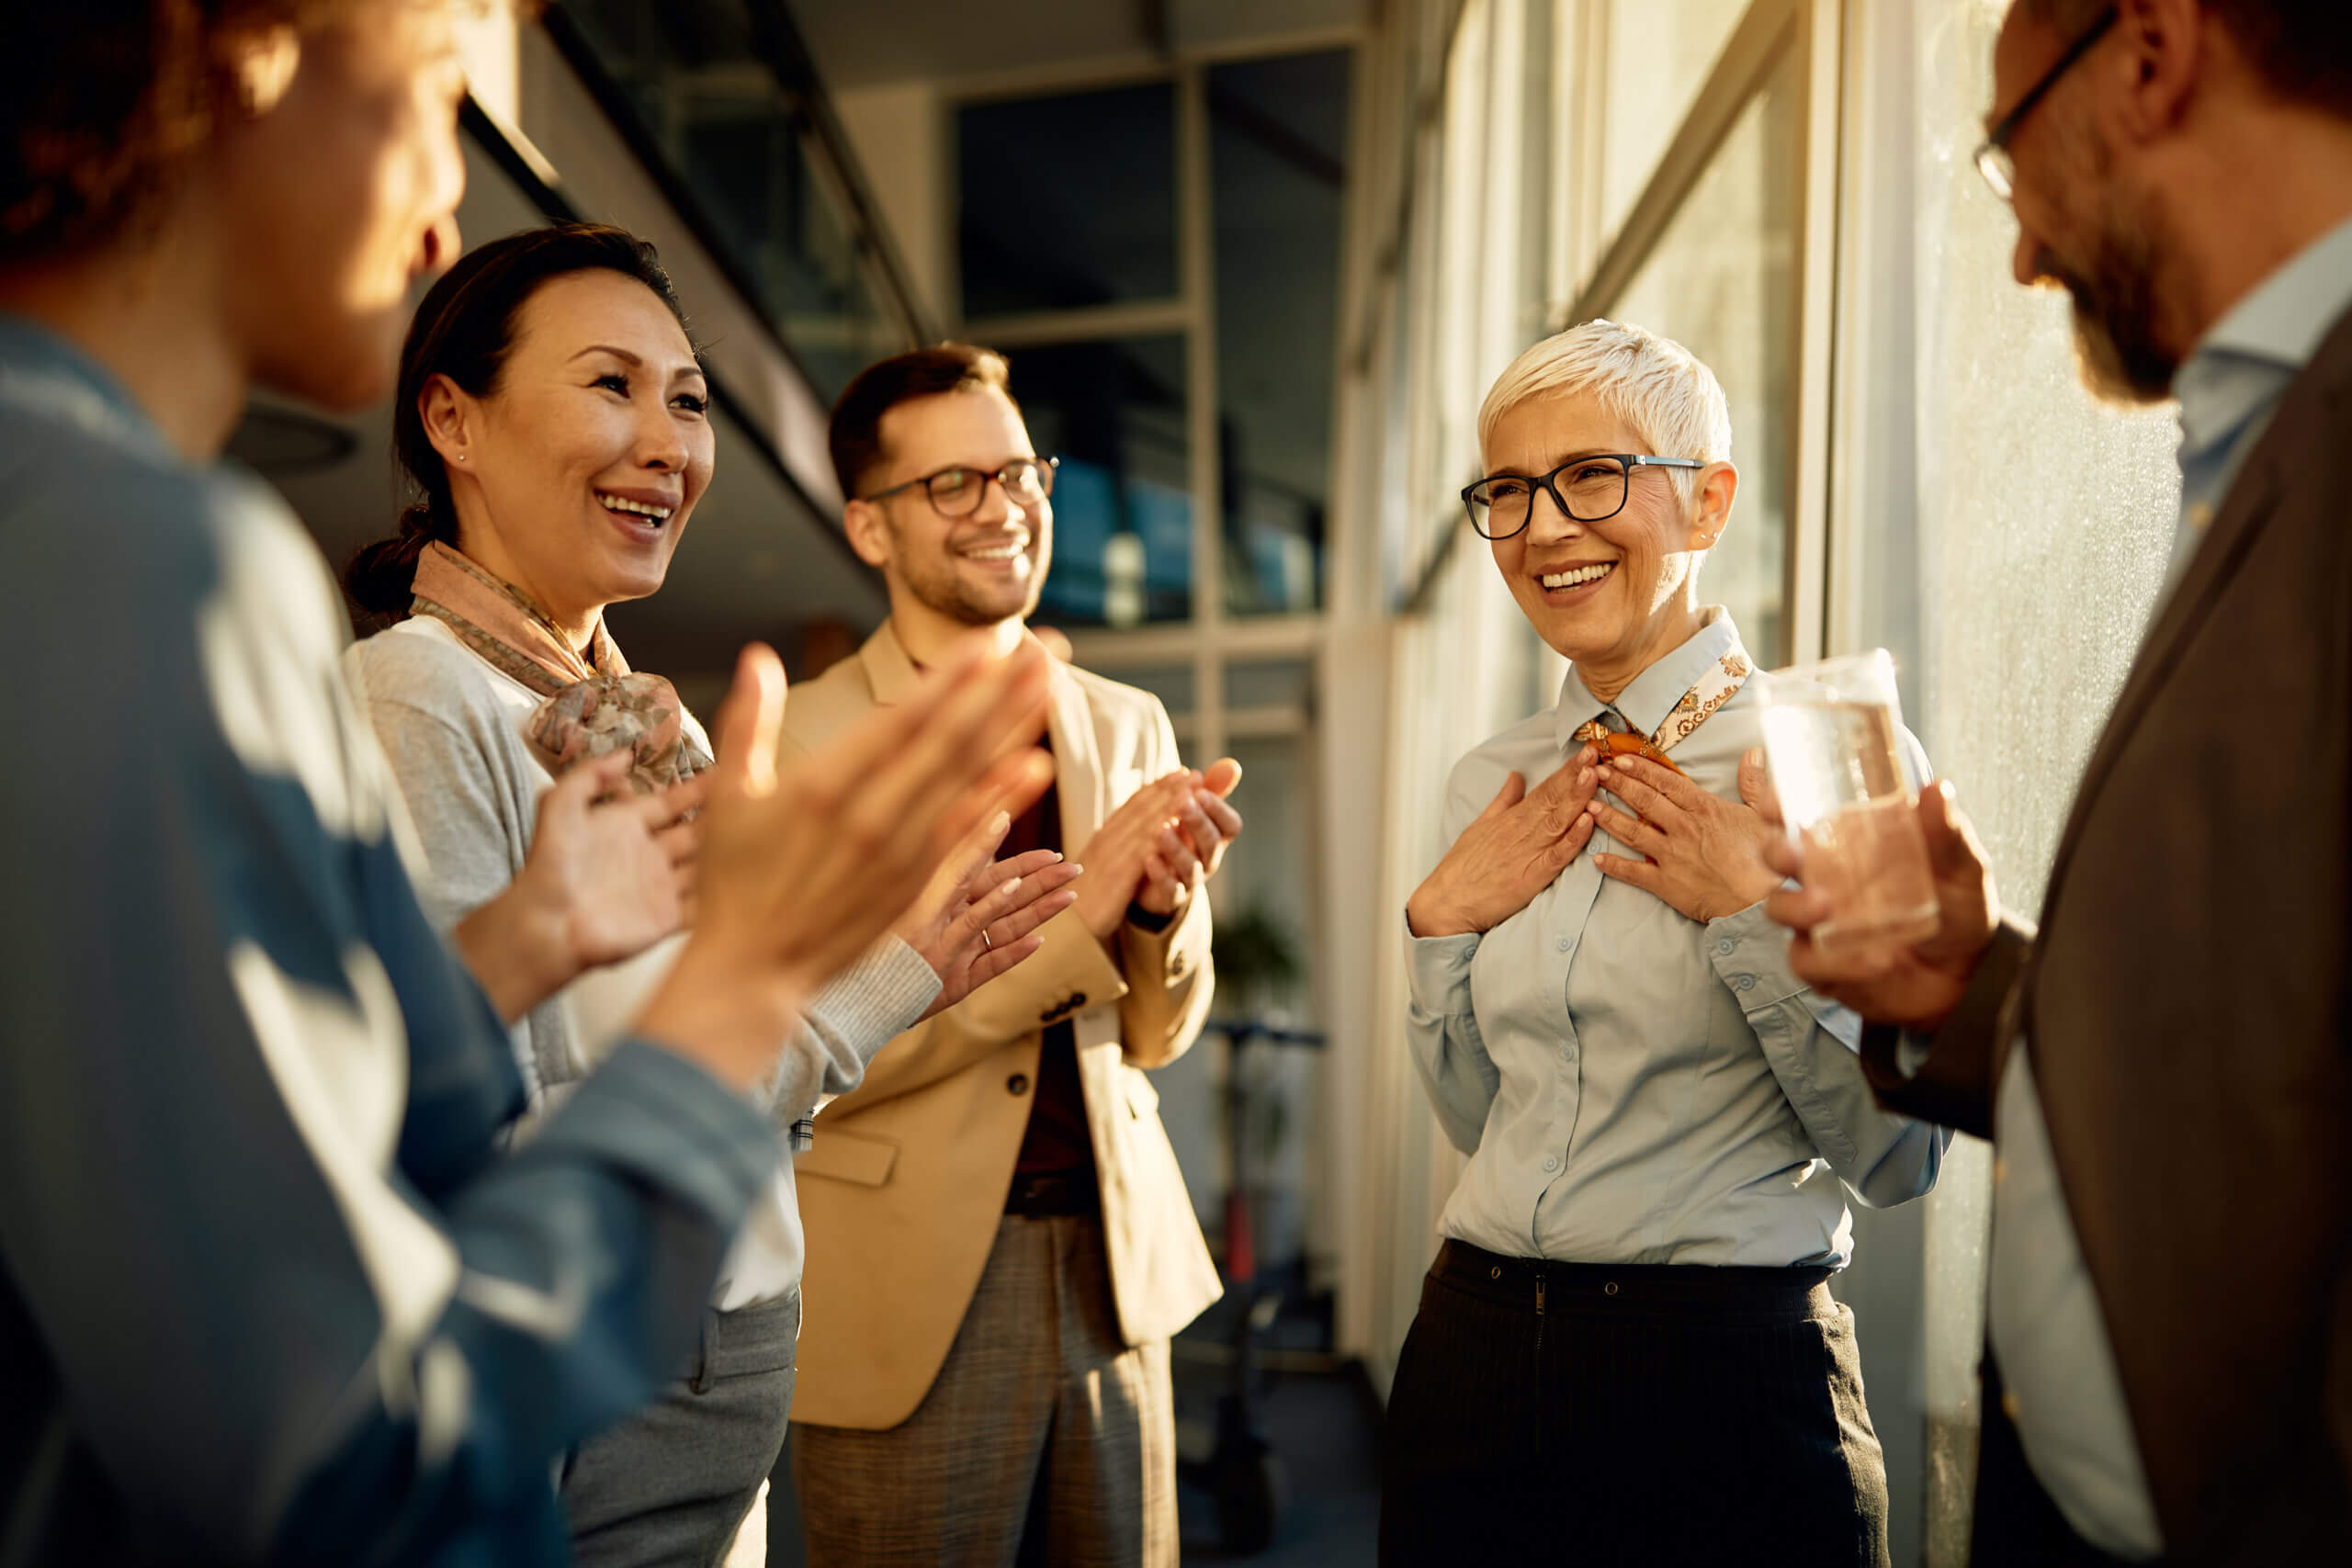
column 985, row 945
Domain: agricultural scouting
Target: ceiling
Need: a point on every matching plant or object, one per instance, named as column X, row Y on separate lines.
column 863, row 43
column 757, row 561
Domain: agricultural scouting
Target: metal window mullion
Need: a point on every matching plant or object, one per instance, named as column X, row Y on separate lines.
column 1257, row 637
column 1590, row 128
column 1820, row 62
column 1195, row 228
column 1346, row 589
column 1085, row 323
column 1500, row 305
column 1754, row 51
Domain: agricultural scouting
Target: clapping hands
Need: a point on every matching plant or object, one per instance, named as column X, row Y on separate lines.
column 1157, row 848
column 803, row 867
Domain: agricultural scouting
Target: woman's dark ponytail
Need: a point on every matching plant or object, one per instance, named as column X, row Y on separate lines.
column 464, row 330
column 381, row 577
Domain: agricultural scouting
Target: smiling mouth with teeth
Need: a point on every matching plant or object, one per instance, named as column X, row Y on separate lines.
column 996, row 552
column 1578, row 578
column 634, row 508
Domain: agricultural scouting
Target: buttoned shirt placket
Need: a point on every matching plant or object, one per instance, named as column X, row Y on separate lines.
column 1710, row 691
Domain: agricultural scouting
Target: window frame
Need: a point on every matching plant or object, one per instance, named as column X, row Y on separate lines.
column 1212, row 638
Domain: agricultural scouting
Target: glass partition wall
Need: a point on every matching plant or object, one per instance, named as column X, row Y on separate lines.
column 719, row 96
column 1161, row 258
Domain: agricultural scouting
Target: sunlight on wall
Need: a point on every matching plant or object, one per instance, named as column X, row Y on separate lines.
column 2045, row 521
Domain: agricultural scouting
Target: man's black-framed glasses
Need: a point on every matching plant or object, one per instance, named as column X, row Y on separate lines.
column 1992, row 159
column 956, row 492
column 1591, row 489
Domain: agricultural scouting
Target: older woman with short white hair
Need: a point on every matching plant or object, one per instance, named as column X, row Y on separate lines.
column 1626, row 1350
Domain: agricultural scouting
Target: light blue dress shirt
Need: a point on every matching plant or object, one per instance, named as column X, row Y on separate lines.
column 2043, row 1311
column 1632, row 1085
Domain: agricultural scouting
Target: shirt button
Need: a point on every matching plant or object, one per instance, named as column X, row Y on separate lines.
column 1017, row 1084
column 1748, row 982
column 1551, row 1162
column 1567, row 942
column 1725, row 946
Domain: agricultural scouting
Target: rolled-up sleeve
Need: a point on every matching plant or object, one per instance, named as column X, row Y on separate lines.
column 1812, row 1044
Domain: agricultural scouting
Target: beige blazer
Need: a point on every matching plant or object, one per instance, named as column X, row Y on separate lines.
column 902, row 1190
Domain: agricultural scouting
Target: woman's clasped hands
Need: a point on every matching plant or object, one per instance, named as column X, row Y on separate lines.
column 1703, row 854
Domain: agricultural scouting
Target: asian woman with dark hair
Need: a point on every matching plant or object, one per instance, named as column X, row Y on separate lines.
column 554, row 417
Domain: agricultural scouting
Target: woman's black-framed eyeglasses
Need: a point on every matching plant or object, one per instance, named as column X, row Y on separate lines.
column 1992, row 159
column 1594, row 491
column 956, row 492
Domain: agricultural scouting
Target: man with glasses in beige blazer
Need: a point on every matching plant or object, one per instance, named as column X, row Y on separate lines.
column 999, row 1242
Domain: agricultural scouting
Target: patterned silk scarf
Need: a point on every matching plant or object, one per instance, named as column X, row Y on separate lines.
column 589, row 712
column 1714, row 689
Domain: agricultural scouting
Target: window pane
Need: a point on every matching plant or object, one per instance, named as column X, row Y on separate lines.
column 2026, row 488
column 1279, row 684
column 1115, row 413
column 1268, row 903
column 1659, row 55
column 1721, row 284
column 1278, row 166
column 1171, row 684
column 1265, row 972
column 738, row 143
column 1067, row 201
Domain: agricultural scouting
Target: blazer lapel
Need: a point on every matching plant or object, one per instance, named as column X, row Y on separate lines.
column 891, row 674
column 1077, row 760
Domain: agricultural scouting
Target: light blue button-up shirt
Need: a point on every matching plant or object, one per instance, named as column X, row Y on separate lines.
column 2043, row 1311
column 1632, row 1085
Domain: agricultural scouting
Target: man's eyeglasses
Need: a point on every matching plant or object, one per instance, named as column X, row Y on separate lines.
column 956, row 492
column 1588, row 490
column 1992, row 159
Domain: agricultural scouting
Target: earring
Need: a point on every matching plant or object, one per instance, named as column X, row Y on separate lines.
column 461, row 457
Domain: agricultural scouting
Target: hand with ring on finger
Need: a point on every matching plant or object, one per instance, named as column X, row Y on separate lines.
column 1190, row 848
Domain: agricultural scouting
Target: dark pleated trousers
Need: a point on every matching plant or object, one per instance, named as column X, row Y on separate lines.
column 1588, row 1414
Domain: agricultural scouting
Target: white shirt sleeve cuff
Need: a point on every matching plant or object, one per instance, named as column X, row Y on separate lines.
column 1437, row 970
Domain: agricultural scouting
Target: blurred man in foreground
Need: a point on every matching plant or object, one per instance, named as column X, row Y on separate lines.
column 2164, row 1064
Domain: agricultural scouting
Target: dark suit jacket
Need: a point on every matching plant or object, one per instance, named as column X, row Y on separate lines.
column 2185, row 1004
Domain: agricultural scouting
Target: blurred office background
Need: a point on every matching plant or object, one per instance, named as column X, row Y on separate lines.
column 1255, row 262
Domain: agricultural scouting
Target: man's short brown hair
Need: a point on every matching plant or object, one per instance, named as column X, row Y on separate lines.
column 2301, row 49
column 855, row 437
